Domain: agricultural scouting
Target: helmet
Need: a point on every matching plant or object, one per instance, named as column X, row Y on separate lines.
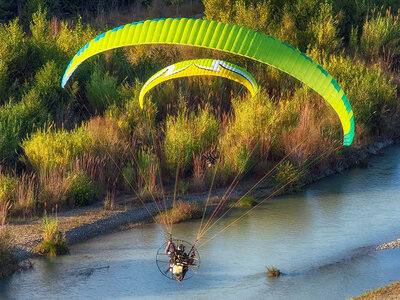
column 181, row 247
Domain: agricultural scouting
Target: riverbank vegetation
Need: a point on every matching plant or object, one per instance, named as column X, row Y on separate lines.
column 8, row 263
column 182, row 211
column 391, row 291
column 70, row 147
column 53, row 242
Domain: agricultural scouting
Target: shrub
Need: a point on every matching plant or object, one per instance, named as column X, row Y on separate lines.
column 182, row 211
column 80, row 191
column 371, row 92
column 8, row 263
column 50, row 148
column 323, row 31
column 247, row 202
column 249, row 129
column 380, row 37
column 12, row 58
column 146, row 170
column 7, row 189
column 16, row 122
column 71, row 38
column 101, row 91
column 189, row 134
column 53, row 242
column 287, row 177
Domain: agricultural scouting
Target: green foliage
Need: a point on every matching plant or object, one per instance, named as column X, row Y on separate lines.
column 189, row 134
column 42, row 44
column 80, row 191
column 12, row 58
column 7, row 188
column 53, row 242
column 372, row 93
column 380, row 36
column 128, row 173
column 101, row 91
column 247, row 202
column 146, row 169
column 33, row 111
column 251, row 127
column 71, row 38
column 51, row 148
column 15, row 122
column 323, row 31
column 287, row 177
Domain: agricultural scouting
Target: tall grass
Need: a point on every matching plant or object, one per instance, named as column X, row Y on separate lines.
column 53, row 242
column 188, row 134
column 380, row 37
column 372, row 92
column 247, row 136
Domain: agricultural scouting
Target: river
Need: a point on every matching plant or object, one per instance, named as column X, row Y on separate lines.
column 322, row 239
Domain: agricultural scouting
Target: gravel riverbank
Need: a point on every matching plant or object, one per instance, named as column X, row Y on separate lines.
column 86, row 223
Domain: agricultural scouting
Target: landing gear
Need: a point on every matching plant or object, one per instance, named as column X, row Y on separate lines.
column 180, row 265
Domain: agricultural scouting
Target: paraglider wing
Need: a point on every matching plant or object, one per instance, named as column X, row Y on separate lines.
column 200, row 67
column 229, row 38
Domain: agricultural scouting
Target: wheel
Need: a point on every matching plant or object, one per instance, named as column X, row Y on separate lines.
column 164, row 263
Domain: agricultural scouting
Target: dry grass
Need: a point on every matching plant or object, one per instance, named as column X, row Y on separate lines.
column 181, row 212
column 199, row 171
column 308, row 135
column 109, row 199
column 390, row 292
column 4, row 209
column 52, row 186
column 25, row 194
column 273, row 272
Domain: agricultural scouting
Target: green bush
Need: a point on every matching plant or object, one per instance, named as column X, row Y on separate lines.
column 53, row 242
column 287, row 178
column 51, row 148
column 371, row 92
column 71, row 38
column 250, row 128
column 7, row 189
column 380, row 36
column 13, row 57
column 189, row 134
column 80, row 191
column 101, row 91
column 18, row 120
column 247, row 202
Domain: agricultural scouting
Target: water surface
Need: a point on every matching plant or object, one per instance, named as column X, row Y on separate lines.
column 320, row 238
